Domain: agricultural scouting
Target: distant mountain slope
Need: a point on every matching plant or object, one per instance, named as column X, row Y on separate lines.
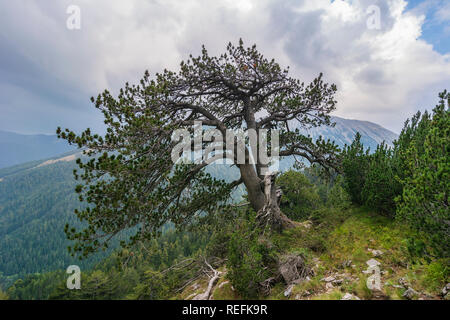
column 37, row 199
column 35, row 204
column 344, row 132
column 19, row 148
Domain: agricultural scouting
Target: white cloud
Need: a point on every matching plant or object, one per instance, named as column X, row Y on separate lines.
column 382, row 75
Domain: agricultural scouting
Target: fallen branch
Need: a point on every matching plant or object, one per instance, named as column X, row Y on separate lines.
column 206, row 295
column 240, row 204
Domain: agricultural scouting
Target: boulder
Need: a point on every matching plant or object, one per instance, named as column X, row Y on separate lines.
column 349, row 296
column 293, row 267
column 410, row 293
column 329, row 286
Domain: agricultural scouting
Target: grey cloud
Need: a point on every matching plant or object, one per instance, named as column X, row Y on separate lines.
column 48, row 73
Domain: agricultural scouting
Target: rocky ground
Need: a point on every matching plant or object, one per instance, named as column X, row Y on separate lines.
column 363, row 257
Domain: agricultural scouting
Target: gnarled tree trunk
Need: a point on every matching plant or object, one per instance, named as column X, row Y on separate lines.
column 270, row 214
column 264, row 197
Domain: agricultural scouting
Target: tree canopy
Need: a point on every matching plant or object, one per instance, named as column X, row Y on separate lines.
column 130, row 180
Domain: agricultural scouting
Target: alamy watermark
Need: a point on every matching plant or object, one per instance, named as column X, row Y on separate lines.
column 249, row 146
column 374, row 280
column 374, row 20
column 73, row 22
column 74, row 280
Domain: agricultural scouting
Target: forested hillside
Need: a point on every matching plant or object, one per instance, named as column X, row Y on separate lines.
column 37, row 200
column 35, row 205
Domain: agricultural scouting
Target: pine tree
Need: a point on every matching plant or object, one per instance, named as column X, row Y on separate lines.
column 424, row 202
column 354, row 168
column 131, row 180
column 380, row 186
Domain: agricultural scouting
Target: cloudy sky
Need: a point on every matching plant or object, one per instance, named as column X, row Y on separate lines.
column 388, row 58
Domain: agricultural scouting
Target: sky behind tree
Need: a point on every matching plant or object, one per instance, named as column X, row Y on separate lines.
column 388, row 58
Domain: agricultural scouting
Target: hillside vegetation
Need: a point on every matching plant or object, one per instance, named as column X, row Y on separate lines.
column 336, row 248
column 387, row 211
column 334, row 241
column 35, row 204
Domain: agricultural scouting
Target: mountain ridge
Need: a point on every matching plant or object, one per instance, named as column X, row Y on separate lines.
column 19, row 148
column 344, row 131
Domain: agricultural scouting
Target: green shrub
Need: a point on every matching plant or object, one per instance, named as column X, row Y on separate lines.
column 3, row 295
column 437, row 274
column 354, row 166
column 337, row 197
column 250, row 260
column 300, row 197
column 424, row 202
column 380, row 186
column 152, row 287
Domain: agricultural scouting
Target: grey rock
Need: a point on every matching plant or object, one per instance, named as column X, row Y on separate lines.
column 372, row 263
column 328, row 279
column 376, row 253
column 329, row 286
column 291, row 267
column 445, row 290
column 349, row 296
column 288, row 291
column 347, row 263
column 410, row 293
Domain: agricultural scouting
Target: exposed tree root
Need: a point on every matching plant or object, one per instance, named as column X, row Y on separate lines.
column 271, row 215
